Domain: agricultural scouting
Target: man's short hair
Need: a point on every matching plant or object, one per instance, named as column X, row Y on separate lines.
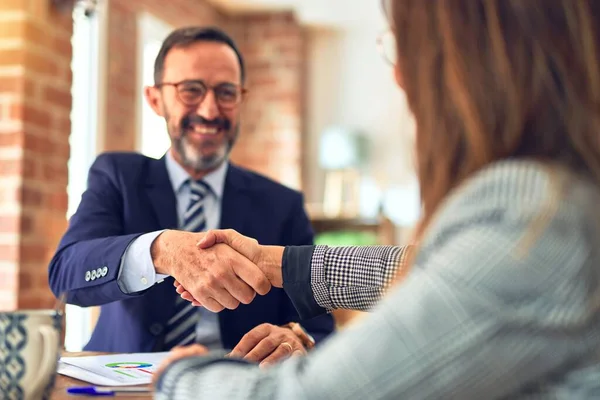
column 187, row 36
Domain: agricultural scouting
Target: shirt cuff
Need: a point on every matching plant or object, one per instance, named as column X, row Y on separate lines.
column 296, row 271
column 137, row 271
column 319, row 284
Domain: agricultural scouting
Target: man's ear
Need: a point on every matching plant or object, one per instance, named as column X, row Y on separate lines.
column 154, row 99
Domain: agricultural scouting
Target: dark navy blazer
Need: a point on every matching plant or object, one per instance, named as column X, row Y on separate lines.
column 129, row 194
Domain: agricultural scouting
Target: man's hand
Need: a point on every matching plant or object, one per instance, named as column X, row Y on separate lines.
column 179, row 353
column 268, row 344
column 185, row 294
column 217, row 277
column 267, row 258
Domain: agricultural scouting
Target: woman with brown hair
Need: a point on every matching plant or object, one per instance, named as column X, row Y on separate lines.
column 502, row 298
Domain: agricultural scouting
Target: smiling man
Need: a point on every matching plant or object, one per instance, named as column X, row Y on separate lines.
column 138, row 223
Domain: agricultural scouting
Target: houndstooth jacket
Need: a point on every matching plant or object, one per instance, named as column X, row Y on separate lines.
column 503, row 301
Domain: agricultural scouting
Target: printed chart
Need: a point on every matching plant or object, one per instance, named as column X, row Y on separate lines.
column 135, row 370
column 114, row 369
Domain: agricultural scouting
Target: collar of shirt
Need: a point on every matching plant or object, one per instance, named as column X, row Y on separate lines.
column 179, row 177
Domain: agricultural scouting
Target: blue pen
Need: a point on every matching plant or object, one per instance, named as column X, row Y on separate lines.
column 105, row 391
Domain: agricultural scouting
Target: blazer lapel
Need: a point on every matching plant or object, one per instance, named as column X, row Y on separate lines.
column 161, row 196
column 235, row 204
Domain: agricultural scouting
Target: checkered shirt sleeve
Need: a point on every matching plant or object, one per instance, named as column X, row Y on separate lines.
column 354, row 277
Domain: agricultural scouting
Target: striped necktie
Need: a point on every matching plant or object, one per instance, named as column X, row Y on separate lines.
column 181, row 328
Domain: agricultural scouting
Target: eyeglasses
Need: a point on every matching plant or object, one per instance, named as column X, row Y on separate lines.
column 386, row 43
column 193, row 92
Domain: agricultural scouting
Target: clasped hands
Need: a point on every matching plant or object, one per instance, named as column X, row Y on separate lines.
column 221, row 269
column 218, row 269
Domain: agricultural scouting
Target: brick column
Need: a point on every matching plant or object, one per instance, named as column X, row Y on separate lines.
column 35, row 102
column 270, row 142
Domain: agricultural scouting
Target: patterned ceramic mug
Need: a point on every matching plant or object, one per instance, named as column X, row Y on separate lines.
column 29, row 344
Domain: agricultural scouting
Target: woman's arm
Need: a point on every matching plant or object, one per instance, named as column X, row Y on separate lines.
column 319, row 279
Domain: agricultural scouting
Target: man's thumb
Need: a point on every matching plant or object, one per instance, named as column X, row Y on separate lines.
column 209, row 240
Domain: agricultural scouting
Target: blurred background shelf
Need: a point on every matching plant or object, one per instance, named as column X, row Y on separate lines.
column 348, row 231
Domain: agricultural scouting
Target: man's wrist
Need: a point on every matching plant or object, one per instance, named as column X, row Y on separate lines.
column 270, row 263
column 158, row 252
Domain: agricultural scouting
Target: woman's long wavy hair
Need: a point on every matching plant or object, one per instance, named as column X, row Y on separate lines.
column 495, row 79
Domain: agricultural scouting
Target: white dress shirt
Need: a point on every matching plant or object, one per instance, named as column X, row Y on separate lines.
column 137, row 271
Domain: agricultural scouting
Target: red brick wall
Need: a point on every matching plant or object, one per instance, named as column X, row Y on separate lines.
column 270, row 139
column 35, row 101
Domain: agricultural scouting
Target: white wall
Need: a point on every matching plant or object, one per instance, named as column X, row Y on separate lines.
column 350, row 84
column 153, row 138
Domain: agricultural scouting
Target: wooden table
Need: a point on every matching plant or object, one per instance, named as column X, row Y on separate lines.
column 64, row 382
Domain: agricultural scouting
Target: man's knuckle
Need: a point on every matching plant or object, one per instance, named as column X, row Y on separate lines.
column 202, row 292
column 220, row 275
column 259, row 280
column 209, row 282
column 248, row 337
column 264, row 327
column 206, row 258
column 271, row 341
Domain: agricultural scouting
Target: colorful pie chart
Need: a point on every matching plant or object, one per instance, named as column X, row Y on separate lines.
column 129, row 365
column 138, row 366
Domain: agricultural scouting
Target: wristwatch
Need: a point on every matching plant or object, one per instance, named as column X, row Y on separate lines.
column 307, row 341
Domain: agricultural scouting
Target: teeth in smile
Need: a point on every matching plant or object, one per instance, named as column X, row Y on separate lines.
column 206, row 130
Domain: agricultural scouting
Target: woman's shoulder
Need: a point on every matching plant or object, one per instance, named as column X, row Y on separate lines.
column 521, row 193
column 523, row 188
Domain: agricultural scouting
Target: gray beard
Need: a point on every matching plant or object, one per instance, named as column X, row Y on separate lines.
column 197, row 162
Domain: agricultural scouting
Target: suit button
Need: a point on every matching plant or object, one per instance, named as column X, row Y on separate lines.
column 93, row 274
column 88, row 276
column 104, row 271
column 99, row 272
column 156, row 329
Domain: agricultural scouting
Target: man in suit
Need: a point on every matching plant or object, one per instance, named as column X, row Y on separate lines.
column 137, row 225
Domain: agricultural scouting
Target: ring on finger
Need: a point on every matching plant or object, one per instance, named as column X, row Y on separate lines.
column 289, row 346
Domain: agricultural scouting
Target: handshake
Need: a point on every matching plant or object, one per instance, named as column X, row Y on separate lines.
column 220, row 269
column 217, row 269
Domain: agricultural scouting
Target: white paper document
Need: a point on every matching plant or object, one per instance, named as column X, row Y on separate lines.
column 114, row 369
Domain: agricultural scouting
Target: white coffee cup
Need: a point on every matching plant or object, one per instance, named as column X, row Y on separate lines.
column 29, row 351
